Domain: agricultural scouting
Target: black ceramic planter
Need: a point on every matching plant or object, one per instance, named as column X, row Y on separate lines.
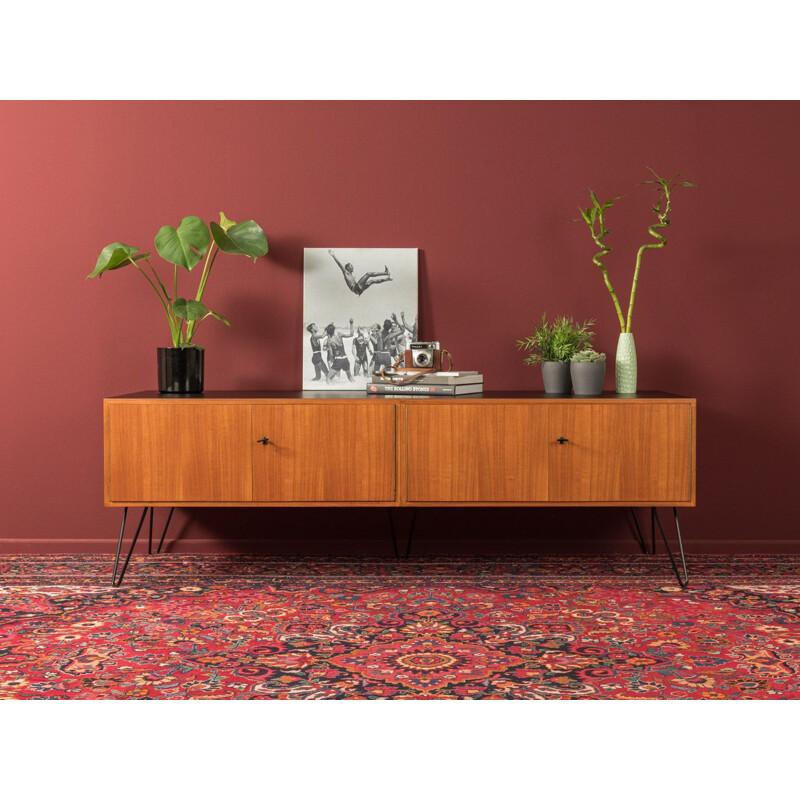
column 555, row 375
column 180, row 370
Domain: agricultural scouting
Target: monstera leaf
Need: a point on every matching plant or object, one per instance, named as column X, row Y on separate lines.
column 243, row 238
column 192, row 310
column 189, row 310
column 184, row 245
column 114, row 256
column 219, row 317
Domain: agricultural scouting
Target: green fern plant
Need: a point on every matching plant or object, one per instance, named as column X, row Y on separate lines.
column 558, row 341
column 594, row 217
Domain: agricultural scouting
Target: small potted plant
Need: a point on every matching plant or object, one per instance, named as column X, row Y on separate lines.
column 552, row 346
column 587, row 369
column 180, row 367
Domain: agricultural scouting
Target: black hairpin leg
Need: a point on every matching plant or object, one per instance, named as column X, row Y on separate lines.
column 653, row 530
column 171, row 512
column 394, row 533
column 683, row 581
column 639, row 534
column 116, row 580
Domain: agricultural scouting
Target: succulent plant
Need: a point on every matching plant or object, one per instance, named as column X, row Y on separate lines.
column 588, row 355
column 558, row 341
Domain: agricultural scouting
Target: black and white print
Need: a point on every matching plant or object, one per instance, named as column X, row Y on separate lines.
column 360, row 308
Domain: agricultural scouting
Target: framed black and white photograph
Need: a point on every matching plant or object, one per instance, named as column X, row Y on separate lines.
column 360, row 312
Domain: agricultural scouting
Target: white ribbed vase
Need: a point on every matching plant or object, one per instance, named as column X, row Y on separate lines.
column 625, row 371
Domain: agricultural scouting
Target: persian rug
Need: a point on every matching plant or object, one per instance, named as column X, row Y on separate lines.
column 538, row 627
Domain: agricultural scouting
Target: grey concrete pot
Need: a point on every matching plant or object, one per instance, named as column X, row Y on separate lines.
column 555, row 375
column 587, row 377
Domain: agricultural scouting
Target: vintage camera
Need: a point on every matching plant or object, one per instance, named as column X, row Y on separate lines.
column 424, row 355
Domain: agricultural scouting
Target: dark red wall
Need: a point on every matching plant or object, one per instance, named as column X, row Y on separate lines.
column 488, row 192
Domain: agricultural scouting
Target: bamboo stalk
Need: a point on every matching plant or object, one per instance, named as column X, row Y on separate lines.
column 593, row 216
column 663, row 222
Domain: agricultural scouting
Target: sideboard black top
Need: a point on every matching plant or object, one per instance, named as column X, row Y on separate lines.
column 275, row 395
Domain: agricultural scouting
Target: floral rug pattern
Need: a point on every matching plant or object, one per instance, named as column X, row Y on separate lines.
column 248, row 627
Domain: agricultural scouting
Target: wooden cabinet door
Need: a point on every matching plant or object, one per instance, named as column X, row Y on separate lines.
column 621, row 453
column 476, row 453
column 325, row 453
column 178, row 453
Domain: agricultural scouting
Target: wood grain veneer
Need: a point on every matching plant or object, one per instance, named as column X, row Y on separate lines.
column 476, row 453
column 640, row 453
column 351, row 449
column 165, row 452
column 333, row 453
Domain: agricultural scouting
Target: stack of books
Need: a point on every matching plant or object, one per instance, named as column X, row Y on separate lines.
column 429, row 383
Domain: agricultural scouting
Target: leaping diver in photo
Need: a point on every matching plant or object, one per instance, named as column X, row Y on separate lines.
column 357, row 287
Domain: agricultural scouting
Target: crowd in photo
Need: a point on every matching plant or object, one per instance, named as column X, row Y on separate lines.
column 370, row 348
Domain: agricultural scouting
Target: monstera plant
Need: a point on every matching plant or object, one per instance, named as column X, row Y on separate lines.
column 185, row 247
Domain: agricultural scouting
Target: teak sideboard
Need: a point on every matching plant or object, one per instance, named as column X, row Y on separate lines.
column 351, row 449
